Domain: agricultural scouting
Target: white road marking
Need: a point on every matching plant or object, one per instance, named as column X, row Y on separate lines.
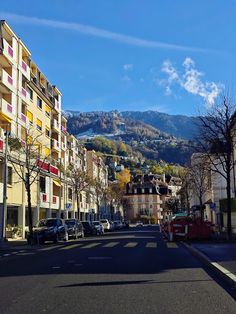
column 131, row 244
column 111, row 244
column 72, row 246
column 171, row 245
column 89, row 246
column 151, row 245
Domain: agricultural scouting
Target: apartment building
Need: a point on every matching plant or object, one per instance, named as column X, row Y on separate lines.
column 30, row 103
column 143, row 198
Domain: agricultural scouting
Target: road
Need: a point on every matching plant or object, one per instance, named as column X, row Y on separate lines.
column 134, row 271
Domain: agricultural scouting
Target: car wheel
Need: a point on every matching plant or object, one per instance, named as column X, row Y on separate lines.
column 56, row 239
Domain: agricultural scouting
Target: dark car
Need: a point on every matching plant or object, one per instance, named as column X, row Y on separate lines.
column 74, row 228
column 89, row 228
column 51, row 229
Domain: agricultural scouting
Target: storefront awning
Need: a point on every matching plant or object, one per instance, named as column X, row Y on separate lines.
column 57, row 183
column 5, row 117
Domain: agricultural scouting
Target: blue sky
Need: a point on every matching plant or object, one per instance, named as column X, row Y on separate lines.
column 169, row 56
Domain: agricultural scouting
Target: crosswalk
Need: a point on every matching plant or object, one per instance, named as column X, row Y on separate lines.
column 83, row 245
column 112, row 244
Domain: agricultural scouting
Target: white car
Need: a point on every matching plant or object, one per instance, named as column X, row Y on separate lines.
column 106, row 224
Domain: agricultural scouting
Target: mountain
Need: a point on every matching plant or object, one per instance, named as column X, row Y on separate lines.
column 177, row 125
column 131, row 129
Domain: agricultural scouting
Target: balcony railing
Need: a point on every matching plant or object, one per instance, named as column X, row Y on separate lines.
column 63, row 129
column 55, row 125
column 6, row 108
column 7, row 80
column 23, row 117
column 8, row 50
column 25, row 69
column 55, row 144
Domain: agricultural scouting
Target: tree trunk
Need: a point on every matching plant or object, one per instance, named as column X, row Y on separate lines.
column 228, row 188
column 201, row 209
column 78, row 203
column 30, row 216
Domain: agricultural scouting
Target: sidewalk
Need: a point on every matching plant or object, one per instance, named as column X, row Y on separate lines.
column 220, row 256
column 13, row 243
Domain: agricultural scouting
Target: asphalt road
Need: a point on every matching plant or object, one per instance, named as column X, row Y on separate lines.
column 133, row 271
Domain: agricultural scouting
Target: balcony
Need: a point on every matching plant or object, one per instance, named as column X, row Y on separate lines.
column 44, row 200
column 6, row 108
column 25, row 70
column 55, row 125
column 25, row 95
column 63, row 146
column 8, row 51
column 7, row 82
column 55, row 202
column 63, row 129
column 72, row 159
column 56, row 105
column 55, row 145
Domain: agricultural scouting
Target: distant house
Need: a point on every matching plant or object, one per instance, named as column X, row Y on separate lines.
column 143, row 198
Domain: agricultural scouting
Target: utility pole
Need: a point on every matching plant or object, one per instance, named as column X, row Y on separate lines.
column 4, row 206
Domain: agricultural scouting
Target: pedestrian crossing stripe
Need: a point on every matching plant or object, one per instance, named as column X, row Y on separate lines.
column 131, row 244
column 171, row 245
column 49, row 248
column 72, row 246
column 151, row 245
column 90, row 245
column 111, row 244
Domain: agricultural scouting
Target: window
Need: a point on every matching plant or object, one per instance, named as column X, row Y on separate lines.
column 30, row 93
column 9, row 175
column 47, row 110
column 39, row 125
column 81, row 197
column 47, row 131
column 42, row 184
column 30, row 116
column 39, row 102
column 69, row 193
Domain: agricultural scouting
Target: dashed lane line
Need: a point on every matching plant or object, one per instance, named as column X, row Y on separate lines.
column 131, row 244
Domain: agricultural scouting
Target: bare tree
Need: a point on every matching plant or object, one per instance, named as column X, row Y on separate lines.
column 99, row 193
column 80, row 180
column 216, row 141
column 199, row 176
column 25, row 157
column 186, row 188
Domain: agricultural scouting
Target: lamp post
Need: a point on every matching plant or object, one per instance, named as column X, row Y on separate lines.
column 4, row 206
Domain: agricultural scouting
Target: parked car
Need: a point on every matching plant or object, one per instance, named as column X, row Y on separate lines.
column 89, row 228
column 99, row 227
column 74, row 228
column 117, row 224
column 139, row 224
column 51, row 229
column 106, row 224
column 112, row 226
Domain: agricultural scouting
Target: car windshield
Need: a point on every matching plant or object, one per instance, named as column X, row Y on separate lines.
column 70, row 223
column 47, row 223
column 103, row 220
column 96, row 223
column 85, row 223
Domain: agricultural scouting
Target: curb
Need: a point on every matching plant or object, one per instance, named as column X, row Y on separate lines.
column 220, row 270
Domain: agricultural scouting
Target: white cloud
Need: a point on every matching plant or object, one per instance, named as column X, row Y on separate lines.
column 190, row 80
column 97, row 32
column 128, row 67
column 126, row 78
